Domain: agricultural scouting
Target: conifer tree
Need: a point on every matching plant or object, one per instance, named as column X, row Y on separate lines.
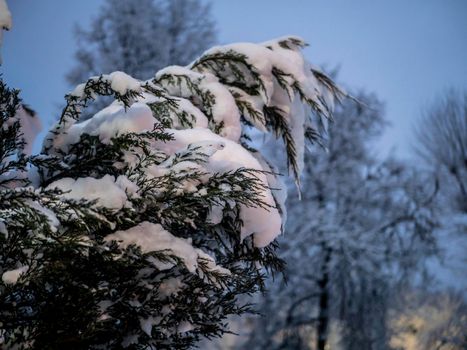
column 141, row 227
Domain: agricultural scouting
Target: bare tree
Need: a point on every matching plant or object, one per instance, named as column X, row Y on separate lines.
column 442, row 139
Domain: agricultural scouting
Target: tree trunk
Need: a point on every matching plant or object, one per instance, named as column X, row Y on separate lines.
column 463, row 199
column 323, row 315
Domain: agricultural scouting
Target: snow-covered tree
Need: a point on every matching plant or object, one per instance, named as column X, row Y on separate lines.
column 142, row 226
column 442, row 143
column 360, row 223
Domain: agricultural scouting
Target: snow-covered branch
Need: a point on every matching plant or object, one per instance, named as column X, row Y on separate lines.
column 157, row 212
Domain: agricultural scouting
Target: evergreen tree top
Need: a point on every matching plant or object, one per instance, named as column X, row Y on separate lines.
column 145, row 223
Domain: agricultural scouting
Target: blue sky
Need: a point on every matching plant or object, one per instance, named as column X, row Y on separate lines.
column 405, row 51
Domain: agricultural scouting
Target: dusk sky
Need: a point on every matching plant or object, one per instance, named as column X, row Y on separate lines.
column 406, row 51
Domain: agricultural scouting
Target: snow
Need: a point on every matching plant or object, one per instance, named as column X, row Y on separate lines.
column 268, row 59
column 184, row 73
column 255, row 102
column 146, row 325
column 129, row 340
column 5, row 16
column 276, row 184
column 216, row 125
column 184, row 327
column 5, row 21
column 31, row 126
column 106, row 191
column 215, row 214
column 152, row 237
column 170, row 286
column 104, row 305
column 3, row 229
column 293, row 42
column 264, row 224
column 128, row 186
column 258, row 56
column 292, row 63
column 223, row 110
column 297, row 129
column 108, row 123
column 78, row 91
column 225, row 155
column 123, row 83
column 52, row 219
column 210, row 264
column 12, row 276
column 120, row 82
column 198, row 119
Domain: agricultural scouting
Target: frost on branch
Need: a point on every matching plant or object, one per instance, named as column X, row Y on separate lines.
column 157, row 213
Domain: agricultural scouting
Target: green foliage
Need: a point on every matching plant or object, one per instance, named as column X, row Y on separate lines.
column 80, row 292
column 11, row 156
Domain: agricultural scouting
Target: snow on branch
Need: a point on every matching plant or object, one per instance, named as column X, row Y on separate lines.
column 269, row 86
column 164, row 210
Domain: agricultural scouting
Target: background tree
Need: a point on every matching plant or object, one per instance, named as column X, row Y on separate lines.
column 422, row 319
column 141, row 37
column 442, row 142
column 359, row 226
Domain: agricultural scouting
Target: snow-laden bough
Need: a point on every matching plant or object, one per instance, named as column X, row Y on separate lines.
column 159, row 208
column 214, row 100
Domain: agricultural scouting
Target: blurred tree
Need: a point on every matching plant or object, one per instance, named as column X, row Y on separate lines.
column 442, row 141
column 140, row 37
column 423, row 320
column 359, row 226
